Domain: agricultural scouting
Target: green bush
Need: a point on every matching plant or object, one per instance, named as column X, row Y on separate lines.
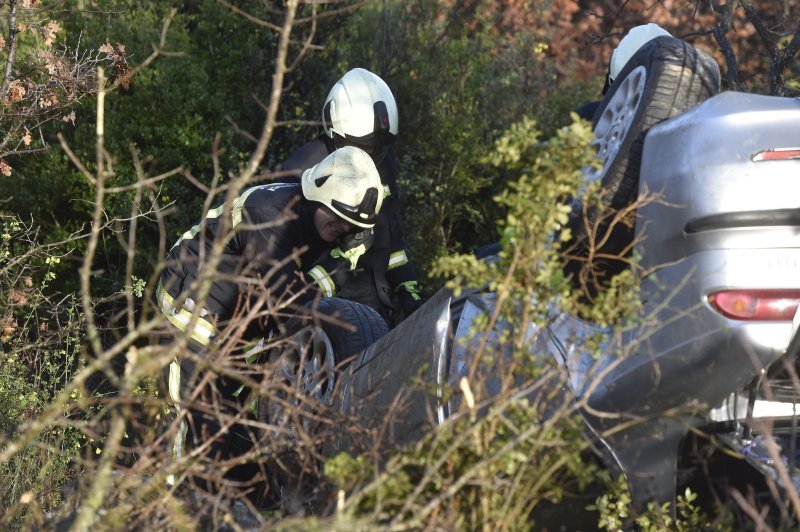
column 458, row 83
column 215, row 71
column 42, row 341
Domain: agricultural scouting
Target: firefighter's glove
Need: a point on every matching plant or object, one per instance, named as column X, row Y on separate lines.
column 353, row 245
column 408, row 296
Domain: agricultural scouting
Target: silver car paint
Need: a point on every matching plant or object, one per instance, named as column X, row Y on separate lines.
column 684, row 353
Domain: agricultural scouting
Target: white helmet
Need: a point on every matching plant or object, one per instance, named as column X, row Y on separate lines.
column 630, row 44
column 361, row 109
column 347, row 182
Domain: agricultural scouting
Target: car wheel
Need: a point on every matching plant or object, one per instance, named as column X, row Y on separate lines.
column 665, row 78
column 302, row 372
column 355, row 327
column 301, row 378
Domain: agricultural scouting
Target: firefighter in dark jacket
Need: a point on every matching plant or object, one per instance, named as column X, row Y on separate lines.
column 360, row 111
column 278, row 237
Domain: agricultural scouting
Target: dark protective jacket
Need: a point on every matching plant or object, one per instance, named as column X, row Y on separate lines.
column 272, row 240
column 388, row 254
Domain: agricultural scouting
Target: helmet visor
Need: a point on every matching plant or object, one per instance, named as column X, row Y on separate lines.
column 363, row 214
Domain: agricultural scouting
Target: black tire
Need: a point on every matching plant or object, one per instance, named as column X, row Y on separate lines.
column 307, row 360
column 367, row 326
column 677, row 77
column 665, row 78
column 352, row 327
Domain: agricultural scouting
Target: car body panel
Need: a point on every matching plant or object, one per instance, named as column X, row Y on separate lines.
column 722, row 220
column 386, row 386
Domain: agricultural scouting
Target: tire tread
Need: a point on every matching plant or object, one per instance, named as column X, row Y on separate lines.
column 369, row 326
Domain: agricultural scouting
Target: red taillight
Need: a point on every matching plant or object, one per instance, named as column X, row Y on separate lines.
column 764, row 305
column 778, row 154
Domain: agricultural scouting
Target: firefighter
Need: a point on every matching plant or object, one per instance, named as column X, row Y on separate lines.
column 361, row 111
column 278, row 238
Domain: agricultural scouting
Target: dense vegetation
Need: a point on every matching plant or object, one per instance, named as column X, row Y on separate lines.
column 485, row 89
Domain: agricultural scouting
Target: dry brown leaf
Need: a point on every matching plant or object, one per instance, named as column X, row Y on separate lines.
column 51, row 62
column 17, row 296
column 69, row 118
column 48, row 100
column 5, row 169
column 16, row 90
column 26, row 138
column 49, row 32
column 9, row 328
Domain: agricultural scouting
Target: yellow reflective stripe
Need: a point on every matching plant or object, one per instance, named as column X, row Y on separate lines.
column 177, row 446
column 191, row 233
column 397, row 259
column 188, row 235
column 386, row 191
column 250, row 356
column 175, row 394
column 238, row 204
column 324, row 280
column 203, row 330
column 254, row 351
column 175, row 381
column 180, row 318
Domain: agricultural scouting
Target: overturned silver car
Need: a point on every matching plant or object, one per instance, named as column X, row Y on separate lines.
column 718, row 348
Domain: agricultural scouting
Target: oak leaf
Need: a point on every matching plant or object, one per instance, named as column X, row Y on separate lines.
column 5, row 169
column 48, row 100
column 26, row 138
column 49, row 32
column 16, row 91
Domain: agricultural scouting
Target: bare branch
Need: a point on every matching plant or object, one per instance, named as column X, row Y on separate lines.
column 12, row 48
column 766, row 37
column 72, row 157
column 275, row 96
column 720, row 31
column 255, row 20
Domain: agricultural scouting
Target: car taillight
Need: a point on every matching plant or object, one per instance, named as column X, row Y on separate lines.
column 763, row 305
column 778, row 154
